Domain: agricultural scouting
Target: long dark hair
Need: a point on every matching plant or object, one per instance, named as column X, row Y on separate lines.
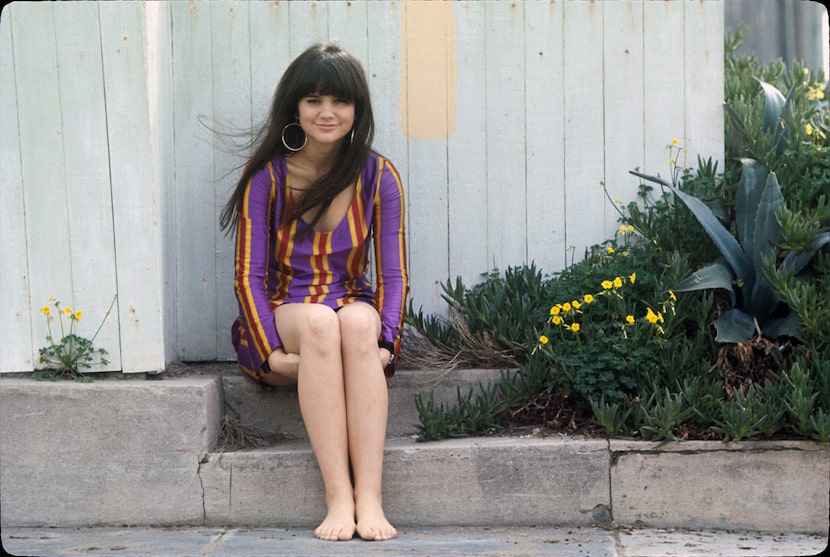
column 323, row 69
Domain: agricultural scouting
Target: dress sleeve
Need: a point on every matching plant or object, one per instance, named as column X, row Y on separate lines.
column 253, row 237
column 390, row 255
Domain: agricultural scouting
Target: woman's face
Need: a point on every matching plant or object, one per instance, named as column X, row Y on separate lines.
column 325, row 119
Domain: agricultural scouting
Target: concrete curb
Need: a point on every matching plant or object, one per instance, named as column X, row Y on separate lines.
column 135, row 452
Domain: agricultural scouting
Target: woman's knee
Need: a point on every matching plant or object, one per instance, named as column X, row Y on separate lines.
column 359, row 325
column 308, row 327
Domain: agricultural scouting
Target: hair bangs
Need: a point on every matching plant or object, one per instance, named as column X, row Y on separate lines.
column 331, row 75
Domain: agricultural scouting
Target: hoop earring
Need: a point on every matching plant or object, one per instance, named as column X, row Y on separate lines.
column 289, row 147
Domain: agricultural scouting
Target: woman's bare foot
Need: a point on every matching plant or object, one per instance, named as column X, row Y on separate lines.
column 339, row 523
column 372, row 524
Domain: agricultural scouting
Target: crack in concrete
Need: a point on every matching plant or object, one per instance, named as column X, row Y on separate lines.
column 202, row 459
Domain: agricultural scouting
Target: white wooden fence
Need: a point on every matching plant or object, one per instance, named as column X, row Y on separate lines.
column 503, row 117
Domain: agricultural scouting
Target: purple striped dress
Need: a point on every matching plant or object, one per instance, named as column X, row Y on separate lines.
column 274, row 266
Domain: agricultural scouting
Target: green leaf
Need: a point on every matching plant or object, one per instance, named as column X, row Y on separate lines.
column 767, row 234
column 747, row 198
column 797, row 260
column 790, row 326
column 767, row 230
column 722, row 238
column 734, row 326
column 716, row 275
column 773, row 105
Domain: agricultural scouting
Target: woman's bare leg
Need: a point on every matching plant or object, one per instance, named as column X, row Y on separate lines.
column 366, row 414
column 313, row 332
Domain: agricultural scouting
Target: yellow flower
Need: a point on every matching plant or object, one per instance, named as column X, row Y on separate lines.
column 672, row 160
column 67, row 310
column 629, row 319
column 575, row 304
column 618, row 201
column 675, row 142
column 543, row 339
column 672, row 296
column 566, row 307
column 630, row 228
column 45, row 310
column 587, row 298
column 622, row 229
column 556, row 320
column 806, row 71
column 77, row 315
column 610, row 249
column 618, row 282
column 51, row 299
column 607, row 284
column 809, row 129
column 651, row 317
column 555, row 309
column 632, row 277
column 575, row 327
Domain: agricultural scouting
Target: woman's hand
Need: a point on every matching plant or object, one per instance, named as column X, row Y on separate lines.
column 385, row 354
column 286, row 365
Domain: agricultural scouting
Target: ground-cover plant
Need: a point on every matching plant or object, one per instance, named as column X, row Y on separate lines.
column 65, row 356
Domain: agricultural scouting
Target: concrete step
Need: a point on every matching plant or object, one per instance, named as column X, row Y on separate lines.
column 132, row 452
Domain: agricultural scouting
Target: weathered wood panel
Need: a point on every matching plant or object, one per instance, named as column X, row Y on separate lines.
column 87, row 173
column 544, row 125
column 504, row 119
column 135, row 50
column 16, row 333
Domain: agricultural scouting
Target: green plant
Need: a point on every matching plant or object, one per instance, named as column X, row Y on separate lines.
column 739, row 417
column 662, row 415
column 745, row 254
column 611, row 416
column 65, row 356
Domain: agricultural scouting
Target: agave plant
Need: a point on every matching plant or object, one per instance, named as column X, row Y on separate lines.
column 740, row 270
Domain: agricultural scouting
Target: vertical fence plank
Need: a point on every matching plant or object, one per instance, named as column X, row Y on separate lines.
column 467, row 148
column 42, row 162
column 386, row 75
column 138, row 194
column 624, row 107
column 584, row 157
column 231, row 81
column 545, row 123
column 506, row 189
column 309, row 25
column 270, row 56
column 86, row 163
column 348, row 27
column 663, row 82
column 429, row 92
column 15, row 307
column 193, row 154
column 703, row 62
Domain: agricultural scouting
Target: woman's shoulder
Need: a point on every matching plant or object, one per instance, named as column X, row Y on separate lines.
column 377, row 164
column 271, row 173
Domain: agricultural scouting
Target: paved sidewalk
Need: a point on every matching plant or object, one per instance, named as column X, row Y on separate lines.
column 438, row 542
